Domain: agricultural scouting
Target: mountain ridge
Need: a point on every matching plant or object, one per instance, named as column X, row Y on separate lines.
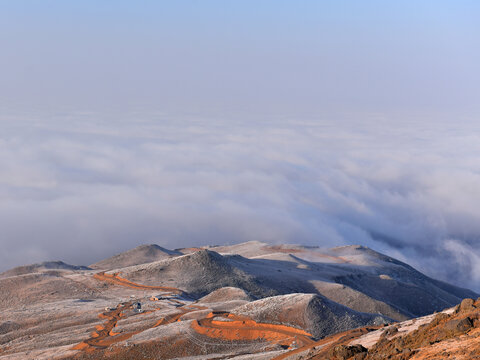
column 260, row 300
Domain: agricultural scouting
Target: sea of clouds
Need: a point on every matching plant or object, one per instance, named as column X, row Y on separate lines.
column 83, row 187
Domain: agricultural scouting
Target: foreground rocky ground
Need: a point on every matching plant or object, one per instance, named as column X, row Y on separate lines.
column 451, row 334
column 245, row 301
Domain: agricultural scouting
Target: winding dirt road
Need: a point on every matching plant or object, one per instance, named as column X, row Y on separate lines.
column 234, row 327
column 218, row 325
column 104, row 335
column 117, row 280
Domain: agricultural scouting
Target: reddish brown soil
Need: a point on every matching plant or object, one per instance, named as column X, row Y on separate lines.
column 455, row 336
column 176, row 317
column 320, row 349
column 104, row 335
column 169, row 348
column 117, row 280
column 235, row 328
column 244, row 328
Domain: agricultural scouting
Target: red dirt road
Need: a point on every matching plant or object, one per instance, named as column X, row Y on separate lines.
column 219, row 325
column 236, row 327
column 104, row 335
column 117, row 280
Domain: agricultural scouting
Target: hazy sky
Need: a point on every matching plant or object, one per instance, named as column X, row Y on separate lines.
column 203, row 122
column 295, row 56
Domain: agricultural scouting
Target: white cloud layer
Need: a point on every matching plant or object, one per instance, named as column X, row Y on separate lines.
column 82, row 188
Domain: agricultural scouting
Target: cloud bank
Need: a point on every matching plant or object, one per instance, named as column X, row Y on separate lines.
column 80, row 188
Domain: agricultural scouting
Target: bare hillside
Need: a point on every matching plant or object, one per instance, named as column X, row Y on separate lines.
column 243, row 301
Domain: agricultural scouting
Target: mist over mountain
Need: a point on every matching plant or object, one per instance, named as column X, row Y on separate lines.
column 405, row 188
column 187, row 123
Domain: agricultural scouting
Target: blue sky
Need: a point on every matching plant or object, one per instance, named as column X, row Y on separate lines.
column 204, row 122
column 267, row 56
